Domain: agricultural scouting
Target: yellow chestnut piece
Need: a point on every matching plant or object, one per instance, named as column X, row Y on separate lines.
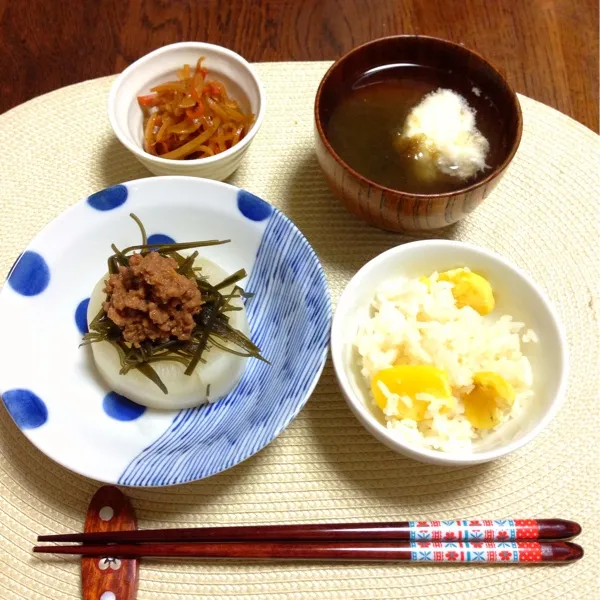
column 410, row 380
column 425, row 281
column 484, row 404
column 470, row 289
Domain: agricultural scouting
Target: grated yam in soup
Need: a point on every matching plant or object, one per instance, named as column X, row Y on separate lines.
column 442, row 374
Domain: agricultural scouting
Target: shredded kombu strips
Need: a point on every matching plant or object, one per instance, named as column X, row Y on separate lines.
column 211, row 327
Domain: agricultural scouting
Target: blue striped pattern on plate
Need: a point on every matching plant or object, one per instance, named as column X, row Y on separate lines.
column 289, row 320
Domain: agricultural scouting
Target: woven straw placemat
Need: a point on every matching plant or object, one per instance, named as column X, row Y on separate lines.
column 544, row 216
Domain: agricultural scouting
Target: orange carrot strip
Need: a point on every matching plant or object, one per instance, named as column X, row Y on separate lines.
column 196, row 113
column 147, row 100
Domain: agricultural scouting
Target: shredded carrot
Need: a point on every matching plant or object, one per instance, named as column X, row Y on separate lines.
column 146, row 100
column 191, row 117
column 196, row 112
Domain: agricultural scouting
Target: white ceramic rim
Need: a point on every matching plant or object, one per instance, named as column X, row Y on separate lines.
column 140, row 152
column 433, row 456
column 64, row 215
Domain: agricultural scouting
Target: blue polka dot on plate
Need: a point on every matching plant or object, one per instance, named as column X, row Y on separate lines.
column 28, row 410
column 30, row 275
column 120, row 408
column 81, row 316
column 160, row 238
column 253, row 207
column 109, row 198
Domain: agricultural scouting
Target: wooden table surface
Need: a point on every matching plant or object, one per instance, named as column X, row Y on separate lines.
column 547, row 48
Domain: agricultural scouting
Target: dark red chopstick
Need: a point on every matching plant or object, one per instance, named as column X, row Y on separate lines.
column 437, row 531
column 427, row 552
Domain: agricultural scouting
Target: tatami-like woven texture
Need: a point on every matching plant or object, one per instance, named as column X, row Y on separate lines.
column 544, row 216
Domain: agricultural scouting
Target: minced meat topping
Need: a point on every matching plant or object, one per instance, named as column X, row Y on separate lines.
column 149, row 300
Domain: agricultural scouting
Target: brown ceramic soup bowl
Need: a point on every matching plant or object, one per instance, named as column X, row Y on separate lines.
column 394, row 209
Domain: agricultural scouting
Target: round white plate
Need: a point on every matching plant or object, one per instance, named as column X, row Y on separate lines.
column 50, row 385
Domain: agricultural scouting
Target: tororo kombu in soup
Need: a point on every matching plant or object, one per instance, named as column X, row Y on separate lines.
column 368, row 123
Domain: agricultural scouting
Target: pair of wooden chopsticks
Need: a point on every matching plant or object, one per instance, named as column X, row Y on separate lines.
column 468, row 541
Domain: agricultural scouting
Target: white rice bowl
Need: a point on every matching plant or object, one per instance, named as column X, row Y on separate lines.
column 410, row 322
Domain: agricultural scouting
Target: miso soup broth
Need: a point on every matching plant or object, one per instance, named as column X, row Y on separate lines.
column 363, row 128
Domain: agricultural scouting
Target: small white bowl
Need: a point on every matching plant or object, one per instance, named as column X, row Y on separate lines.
column 126, row 116
column 516, row 294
